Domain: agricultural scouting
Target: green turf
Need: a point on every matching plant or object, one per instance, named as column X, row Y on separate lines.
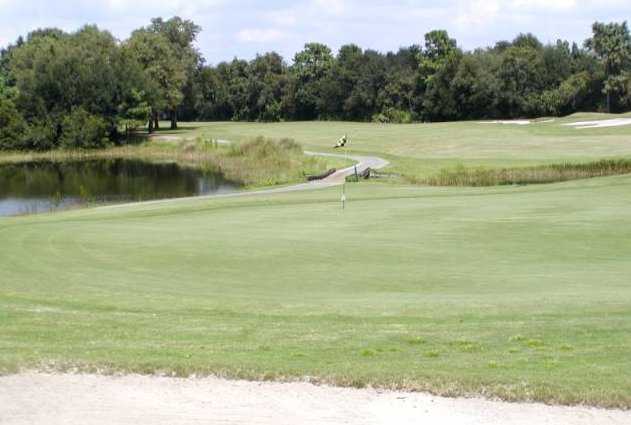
column 421, row 150
column 517, row 292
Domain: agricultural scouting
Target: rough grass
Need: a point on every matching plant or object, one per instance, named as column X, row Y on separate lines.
column 266, row 162
column 552, row 173
column 520, row 293
column 254, row 162
column 420, row 151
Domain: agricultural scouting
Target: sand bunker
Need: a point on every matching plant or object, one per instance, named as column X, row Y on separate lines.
column 507, row 122
column 617, row 122
column 104, row 400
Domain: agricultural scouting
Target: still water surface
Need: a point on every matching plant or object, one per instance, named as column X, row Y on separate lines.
column 35, row 187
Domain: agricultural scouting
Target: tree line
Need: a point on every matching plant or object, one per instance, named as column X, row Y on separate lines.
column 86, row 89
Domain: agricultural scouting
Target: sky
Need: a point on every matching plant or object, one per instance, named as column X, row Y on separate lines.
column 243, row 28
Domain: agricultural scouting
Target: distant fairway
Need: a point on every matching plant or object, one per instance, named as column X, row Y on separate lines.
column 521, row 293
column 421, row 150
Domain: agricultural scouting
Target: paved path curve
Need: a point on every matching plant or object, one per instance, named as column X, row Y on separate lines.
column 335, row 179
column 362, row 163
column 47, row 399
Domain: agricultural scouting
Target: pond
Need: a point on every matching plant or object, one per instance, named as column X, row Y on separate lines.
column 42, row 186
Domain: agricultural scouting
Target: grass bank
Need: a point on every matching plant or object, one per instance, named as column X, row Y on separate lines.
column 253, row 162
column 459, row 153
column 266, row 162
column 552, row 173
column 520, row 293
column 420, row 152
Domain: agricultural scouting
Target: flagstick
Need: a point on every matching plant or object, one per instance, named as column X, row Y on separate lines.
column 344, row 184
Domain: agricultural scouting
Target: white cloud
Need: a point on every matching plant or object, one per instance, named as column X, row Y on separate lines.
column 259, row 35
column 282, row 17
column 334, row 7
column 156, row 6
column 244, row 27
column 478, row 12
column 544, row 4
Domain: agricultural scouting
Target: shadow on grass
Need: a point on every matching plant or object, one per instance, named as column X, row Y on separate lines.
column 181, row 129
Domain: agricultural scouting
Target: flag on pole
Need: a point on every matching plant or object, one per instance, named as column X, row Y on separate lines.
column 342, row 142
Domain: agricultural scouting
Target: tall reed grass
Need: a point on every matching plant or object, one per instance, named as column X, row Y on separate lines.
column 552, row 173
column 255, row 162
column 262, row 161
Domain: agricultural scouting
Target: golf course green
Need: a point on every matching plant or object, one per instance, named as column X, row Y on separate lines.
column 516, row 292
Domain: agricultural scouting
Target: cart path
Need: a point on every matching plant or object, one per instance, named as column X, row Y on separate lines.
column 335, row 179
column 69, row 399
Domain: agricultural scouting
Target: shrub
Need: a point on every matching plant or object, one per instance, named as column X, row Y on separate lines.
column 560, row 100
column 380, row 118
column 272, row 112
column 80, row 129
column 134, row 113
column 40, row 135
column 393, row 116
column 12, row 126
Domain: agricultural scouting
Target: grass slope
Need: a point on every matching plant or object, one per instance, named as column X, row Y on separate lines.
column 520, row 293
column 254, row 163
column 419, row 151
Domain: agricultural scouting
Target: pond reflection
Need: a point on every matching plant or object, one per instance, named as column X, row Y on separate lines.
column 32, row 187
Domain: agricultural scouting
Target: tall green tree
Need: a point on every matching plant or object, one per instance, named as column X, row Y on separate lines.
column 54, row 73
column 611, row 43
column 237, row 85
column 521, row 73
column 82, row 88
column 476, row 86
column 211, row 95
column 4, row 88
column 267, row 78
column 401, row 93
column 363, row 101
column 165, row 76
column 310, row 68
column 438, row 66
column 338, row 84
column 439, row 50
column 181, row 34
column 12, row 125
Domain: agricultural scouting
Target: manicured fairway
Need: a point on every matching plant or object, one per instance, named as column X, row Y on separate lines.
column 420, row 150
column 517, row 292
